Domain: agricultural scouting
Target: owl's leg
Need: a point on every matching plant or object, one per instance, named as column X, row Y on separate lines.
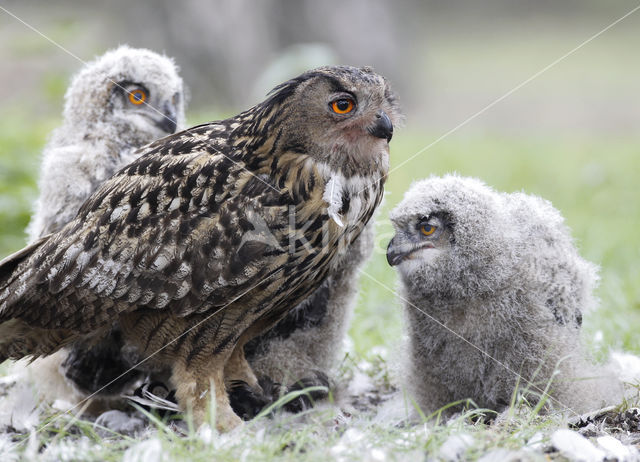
column 238, row 369
column 246, row 394
column 197, row 386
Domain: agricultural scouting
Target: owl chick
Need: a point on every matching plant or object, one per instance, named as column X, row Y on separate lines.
column 117, row 103
column 211, row 236
column 494, row 288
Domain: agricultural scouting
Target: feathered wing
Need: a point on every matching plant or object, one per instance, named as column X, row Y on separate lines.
column 165, row 233
column 9, row 264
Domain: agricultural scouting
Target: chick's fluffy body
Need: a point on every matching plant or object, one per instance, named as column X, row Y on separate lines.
column 312, row 335
column 505, row 297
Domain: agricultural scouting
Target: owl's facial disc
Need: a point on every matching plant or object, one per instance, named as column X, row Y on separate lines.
column 344, row 117
column 421, row 239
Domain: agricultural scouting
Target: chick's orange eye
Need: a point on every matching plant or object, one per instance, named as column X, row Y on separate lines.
column 342, row 106
column 137, row 97
column 427, row 230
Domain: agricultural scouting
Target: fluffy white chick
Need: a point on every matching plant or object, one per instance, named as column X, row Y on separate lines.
column 115, row 104
column 494, row 292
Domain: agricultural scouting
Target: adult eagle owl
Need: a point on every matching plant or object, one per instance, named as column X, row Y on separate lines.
column 494, row 293
column 211, row 236
column 115, row 104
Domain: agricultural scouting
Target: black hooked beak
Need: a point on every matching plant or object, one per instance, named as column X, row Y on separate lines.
column 395, row 254
column 382, row 128
column 167, row 121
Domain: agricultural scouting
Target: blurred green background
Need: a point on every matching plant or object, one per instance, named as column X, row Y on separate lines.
column 570, row 135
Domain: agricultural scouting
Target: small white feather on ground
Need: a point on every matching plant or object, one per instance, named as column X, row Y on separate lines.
column 576, row 447
column 615, row 449
column 503, row 455
column 20, row 409
column 150, row 449
column 626, row 366
column 360, row 384
column 455, row 446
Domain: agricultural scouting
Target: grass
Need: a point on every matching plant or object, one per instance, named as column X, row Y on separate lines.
column 591, row 179
column 314, row 436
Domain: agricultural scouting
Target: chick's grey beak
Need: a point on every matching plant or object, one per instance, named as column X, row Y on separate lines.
column 382, row 127
column 395, row 254
column 167, row 121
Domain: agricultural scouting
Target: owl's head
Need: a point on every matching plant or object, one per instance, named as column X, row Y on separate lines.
column 452, row 238
column 458, row 240
column 135, row 95
column 343, row 116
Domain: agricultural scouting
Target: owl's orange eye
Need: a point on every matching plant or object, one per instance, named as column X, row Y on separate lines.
column 427, row 230
column 342, row 106
column 137, row 97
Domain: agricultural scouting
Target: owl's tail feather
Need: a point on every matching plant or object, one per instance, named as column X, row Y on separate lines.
column 18, row 339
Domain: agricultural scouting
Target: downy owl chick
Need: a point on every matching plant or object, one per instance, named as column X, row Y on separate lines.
column 494, row 293
column 117, row 103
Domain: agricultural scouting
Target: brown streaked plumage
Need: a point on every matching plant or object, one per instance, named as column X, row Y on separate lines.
column 173, row 247
column 102, row 128
column 303, row 349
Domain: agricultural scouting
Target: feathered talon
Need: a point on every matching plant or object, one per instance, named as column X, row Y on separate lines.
column 155, row 396
column 308, row 400
column 247, row 402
